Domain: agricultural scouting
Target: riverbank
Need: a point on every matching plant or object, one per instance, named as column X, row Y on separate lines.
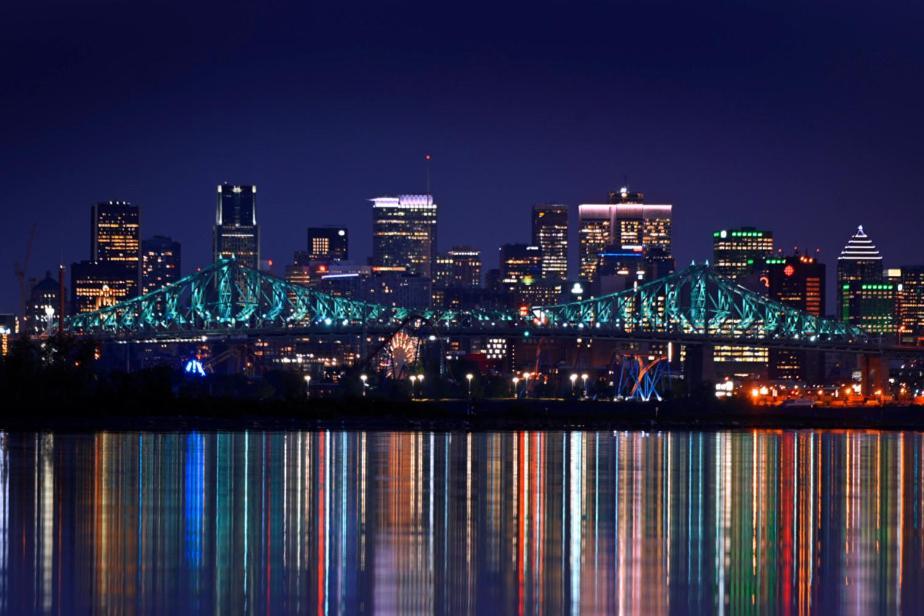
column 478, row 415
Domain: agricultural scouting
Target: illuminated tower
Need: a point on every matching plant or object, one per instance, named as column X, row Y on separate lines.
column 404, row 234
column 859, row 261
column 236, row 233
column 550, row 234
column 625, row 226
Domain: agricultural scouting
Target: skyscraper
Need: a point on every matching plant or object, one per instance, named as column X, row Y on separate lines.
column 550, row 234
column 859, row 261
column 736, row 252
column 797, row 281
column 42, row 305
column 236, row 233
column 626, row 225
column 160, row 262
column 328, row 244
column 911, row 304
column 113, row 272
column 404, row 234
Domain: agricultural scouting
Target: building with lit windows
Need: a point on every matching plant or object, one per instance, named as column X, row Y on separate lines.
column 869, row 305
column 859, row 261
column 521, row 277
column 457, row 270
column 160, row 262
column 797, row 281
column 113, row 272
column 328, row 244
column 911, row 304
column 625, row 225
column 236, row 233
column 550, row 234
column 404, row 234
column 42, row 306
column 736, row 252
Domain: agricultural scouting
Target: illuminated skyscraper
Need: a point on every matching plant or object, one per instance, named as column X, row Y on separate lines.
column 625, row 225
column 113, row 272
column 869, row 305
column 550, row 234
column 404, row 234
column 328, row 244
column 911, row 304
column 859, row 261
column 797, row 281
column 736, row 252
column 236, row 233
column 160, row 262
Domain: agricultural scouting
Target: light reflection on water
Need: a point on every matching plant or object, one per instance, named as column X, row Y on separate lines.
column 516, row 522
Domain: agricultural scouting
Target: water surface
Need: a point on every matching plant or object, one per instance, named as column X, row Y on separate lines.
column 515, row 523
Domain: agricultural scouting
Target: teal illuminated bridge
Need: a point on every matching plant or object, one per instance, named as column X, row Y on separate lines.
column 693, row 305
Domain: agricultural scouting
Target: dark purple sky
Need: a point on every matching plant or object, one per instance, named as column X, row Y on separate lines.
column 806, row 120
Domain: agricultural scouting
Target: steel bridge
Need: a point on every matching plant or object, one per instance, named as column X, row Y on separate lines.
column 692, row 306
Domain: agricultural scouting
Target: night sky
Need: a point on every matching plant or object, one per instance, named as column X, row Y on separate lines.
column 805, row 120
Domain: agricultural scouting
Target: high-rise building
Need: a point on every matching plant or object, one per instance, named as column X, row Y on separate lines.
column 160, row 262
column 797, row 281
column 869, row 305
column 457, row 270
column 404, row 234
column 550, row 234
column 911, row 304
column 520, row 264
column 42, row 306
column 737, row 252
column 328, row 244
column 626, row 225
column 236, row 233
column 113, row 272
column 859, row 261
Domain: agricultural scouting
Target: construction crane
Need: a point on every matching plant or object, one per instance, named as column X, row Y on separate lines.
column 22, row 268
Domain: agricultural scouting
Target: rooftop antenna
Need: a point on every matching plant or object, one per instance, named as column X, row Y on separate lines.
column 427, row 164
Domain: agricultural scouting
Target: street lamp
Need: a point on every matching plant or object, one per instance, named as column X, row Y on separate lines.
column 363, row 378
column 420, row 379
column 573, row 379
column 49, row 315
column 413, row 382
column 469, row 377
column 584, row 378
column 307, row 385
column 515, row 380
column 526, row 376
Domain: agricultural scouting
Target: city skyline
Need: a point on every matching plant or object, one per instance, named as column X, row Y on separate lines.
column 799, row 134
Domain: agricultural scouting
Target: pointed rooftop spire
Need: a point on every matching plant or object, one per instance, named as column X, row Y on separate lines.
column 860, row 248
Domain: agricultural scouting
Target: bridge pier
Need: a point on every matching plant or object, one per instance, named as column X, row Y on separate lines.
column 698, row 366
column 874, row 371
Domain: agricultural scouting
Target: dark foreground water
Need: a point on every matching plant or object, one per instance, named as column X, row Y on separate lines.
column 512, row 523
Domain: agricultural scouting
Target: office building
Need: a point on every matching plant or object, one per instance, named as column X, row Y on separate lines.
column 859, row 261
column 797, row 281
column 328, row 244
column 43, row 305
column 115, row 240
column 618, row 231
column 458, row 269
column 911, row 304
column 160, row 262
column 236, row 232
column 98, row 285
column 404, row 234
column 521, row 277
column 738, row 252
column 550, row 234
column 869, row 305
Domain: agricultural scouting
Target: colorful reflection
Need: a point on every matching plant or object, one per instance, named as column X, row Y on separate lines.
column 516, row 523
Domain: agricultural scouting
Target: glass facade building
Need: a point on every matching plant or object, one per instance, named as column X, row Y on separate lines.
column 859, row 262
column 236, row 233
column 404, row 234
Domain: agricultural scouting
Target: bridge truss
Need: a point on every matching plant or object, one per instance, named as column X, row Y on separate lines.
column 692, row 305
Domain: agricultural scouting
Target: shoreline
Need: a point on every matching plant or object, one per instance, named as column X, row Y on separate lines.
column 455, row 415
